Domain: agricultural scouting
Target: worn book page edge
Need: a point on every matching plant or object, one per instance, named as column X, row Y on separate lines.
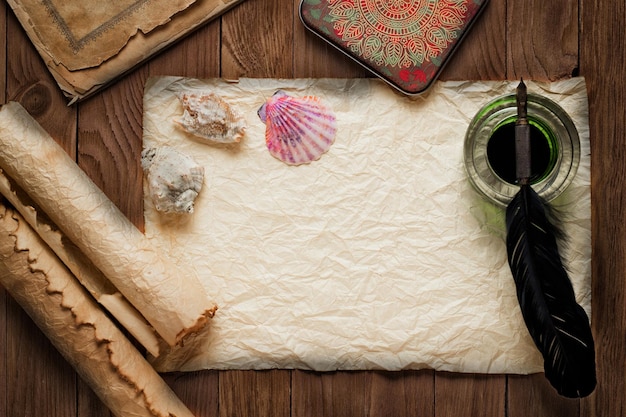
column 78, row 85
column 47, row 28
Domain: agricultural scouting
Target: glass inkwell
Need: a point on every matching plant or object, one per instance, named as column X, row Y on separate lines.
column 489, row 149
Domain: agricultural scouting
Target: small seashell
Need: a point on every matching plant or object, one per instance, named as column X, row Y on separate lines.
column 298, row 129
column 209, row 117
column 174, row 179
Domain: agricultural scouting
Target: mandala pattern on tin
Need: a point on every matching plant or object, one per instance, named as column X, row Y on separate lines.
column 398, row 33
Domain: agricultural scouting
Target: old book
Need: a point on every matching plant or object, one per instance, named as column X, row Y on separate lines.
column 88, row 44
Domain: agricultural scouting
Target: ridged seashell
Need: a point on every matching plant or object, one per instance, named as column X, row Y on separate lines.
column 174, row 179
column 298, row 129
column 209, row 117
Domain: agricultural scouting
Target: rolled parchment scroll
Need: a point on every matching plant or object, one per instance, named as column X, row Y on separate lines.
column 82, row 268
column 77, row 327
column 169, row 296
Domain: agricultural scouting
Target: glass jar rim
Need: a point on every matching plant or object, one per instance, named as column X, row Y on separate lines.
column 556, row 123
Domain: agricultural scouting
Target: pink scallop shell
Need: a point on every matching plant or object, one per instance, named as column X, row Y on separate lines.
column 298, row 129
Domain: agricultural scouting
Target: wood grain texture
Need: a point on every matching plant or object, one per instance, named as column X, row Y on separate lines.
column 534, row 396
column 3, row 52
column 52, row 381
column 197, row 57
column 603, row 55
column 255, row 393
column 29, row 82
column 109, row 148
column 362, row 394
column 469, row 395
column 199, row 391
column 257, row 40
column 87, row 403
column 482, row 53
column 542, row 39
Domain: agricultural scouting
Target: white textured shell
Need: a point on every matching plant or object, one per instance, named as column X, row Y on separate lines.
column 209, row 117
column 298, row 130
column 174, row 179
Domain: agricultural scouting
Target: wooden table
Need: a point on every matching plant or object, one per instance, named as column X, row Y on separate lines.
column 534, row 39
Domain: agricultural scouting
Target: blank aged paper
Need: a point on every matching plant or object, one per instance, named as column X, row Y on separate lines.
column 379, row 255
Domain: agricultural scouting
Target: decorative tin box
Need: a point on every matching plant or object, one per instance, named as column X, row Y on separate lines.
column 404, row 42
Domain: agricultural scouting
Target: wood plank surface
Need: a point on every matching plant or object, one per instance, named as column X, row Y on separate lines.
column 362, row 394
column 255, row 393
column 199, row 391
column 257, row 40
column 483, row 53
column 533, row 396
column 469, row 395
column 29, row 82
column 51, row 379
column 263, row 38
column 542, row 39
column 603, row 55
column 109, row 146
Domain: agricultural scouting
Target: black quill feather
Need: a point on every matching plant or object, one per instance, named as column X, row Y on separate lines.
column 558, row 325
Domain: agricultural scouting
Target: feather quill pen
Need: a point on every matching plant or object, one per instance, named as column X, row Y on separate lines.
column 557, row 324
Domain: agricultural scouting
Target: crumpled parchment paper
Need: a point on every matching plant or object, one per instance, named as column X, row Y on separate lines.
column 380, row 255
